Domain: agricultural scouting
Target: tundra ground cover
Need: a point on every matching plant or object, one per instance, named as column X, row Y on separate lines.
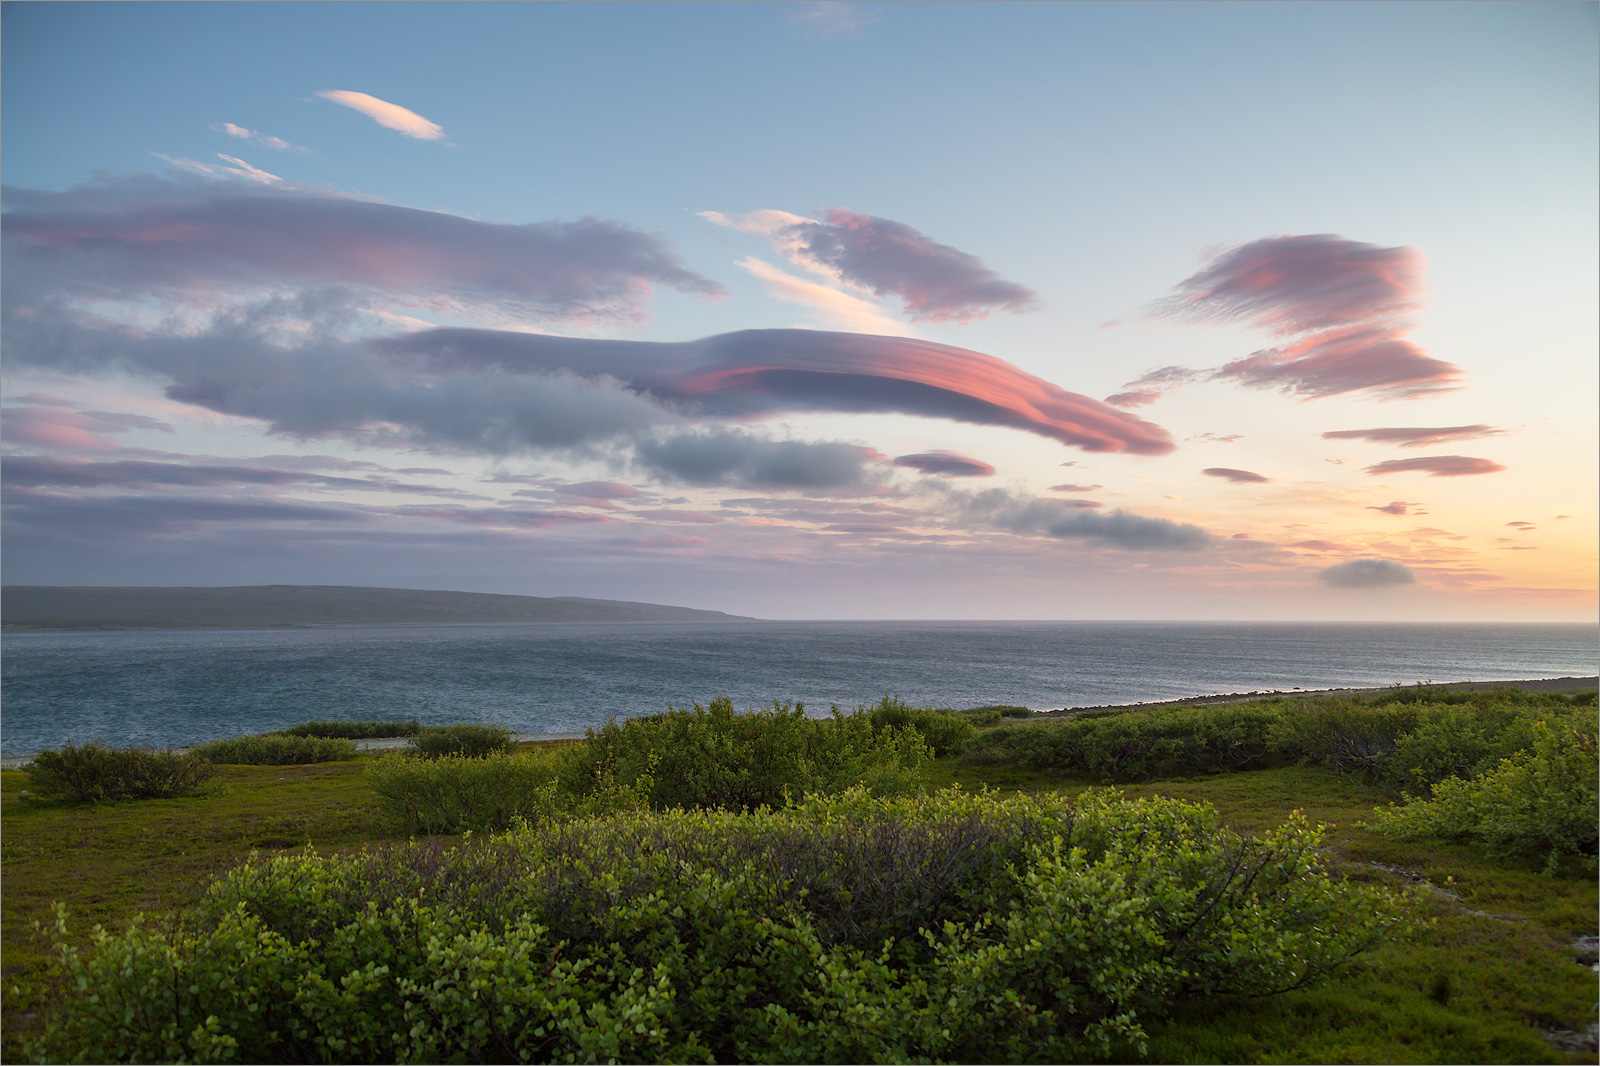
column 1477, row 985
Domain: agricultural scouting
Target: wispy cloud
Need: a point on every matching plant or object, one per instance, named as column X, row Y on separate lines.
column 830, row 18
column 945, row 464
column 277, row 144
column 1341, row 308
column 1367, row 574
column 1398, row 507
column 1415, row 437
column 836, row 309
column 391, row 116
column 1241, row 476
column 1437, row 466
column 234, row 168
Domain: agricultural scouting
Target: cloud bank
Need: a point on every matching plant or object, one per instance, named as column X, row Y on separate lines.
column 1366, row 574
column 1005, row 510
column 206, row 243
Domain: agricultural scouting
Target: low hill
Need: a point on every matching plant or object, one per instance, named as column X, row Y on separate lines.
column 64, row 607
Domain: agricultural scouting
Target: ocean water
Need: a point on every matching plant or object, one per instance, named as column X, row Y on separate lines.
column 178, row 687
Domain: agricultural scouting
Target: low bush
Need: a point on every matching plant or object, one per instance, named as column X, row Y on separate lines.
column 95, row 773
column 713, row 757
column 848, row 928
column 268, row 749
column 1539, row 802
column 1138, row 746
column 947, row 732
column 470, row 741
column 363, row 730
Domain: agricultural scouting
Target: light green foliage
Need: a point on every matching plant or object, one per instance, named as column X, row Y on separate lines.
column 847, row 928
column 713, row 757
column 470, row 741
column 95, row 773
column 1540, row 801
column 273, row 750
column 361, row 730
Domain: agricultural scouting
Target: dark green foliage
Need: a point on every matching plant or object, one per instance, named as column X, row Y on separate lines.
column 273, row 750
column 1344, row 735
column 947, row 732
column 95, row 773
column 363, row 730
column 1138, row 746
column 472, row 741
column 713, row 757
column 951, row 927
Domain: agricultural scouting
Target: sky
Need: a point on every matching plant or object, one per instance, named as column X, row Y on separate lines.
column 810, row 310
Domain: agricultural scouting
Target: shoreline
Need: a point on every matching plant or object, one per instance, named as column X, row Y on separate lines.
column 1547, row 684
column 1550, row 684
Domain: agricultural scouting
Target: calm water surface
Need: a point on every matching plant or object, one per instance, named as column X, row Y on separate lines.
column 176, row 687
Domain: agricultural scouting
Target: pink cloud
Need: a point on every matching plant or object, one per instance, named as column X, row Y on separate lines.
column 1318, row 545
column 1340, row 308
column 402, row 120
column 66, row 430
column 759, row 372
column 1075, row 488
column 945, row 464
column 937, row 283
column 1437, row 466
column 1415, row 436
column 1238, row 476
column 1397, row 507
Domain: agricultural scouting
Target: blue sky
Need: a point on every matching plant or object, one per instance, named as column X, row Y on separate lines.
column 1079, row 160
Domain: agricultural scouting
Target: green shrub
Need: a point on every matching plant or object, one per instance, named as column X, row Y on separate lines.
column 268, row 749
column 457, row 793
column 1138, row 745
column 1537, row 802
column 363, row 730
column 1347, row 736
column 947, row 732
column 713, row 757
column 471, row 741
column 951, row 927
column 95, row 773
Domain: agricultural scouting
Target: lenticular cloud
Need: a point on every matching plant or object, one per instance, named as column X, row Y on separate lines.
column 762, row 372
column 1339, row 309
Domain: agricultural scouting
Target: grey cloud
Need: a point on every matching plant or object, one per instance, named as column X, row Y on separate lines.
column 184, row 239
column 1366, row 574
column 737, row 458
column 22, row 471
column 1229, row 474
column 1415, row 436
column 945, row 464
column 1002, row 509
column 1437, row 466
column 937, row 283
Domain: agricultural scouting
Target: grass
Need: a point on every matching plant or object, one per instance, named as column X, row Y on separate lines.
column 1478, row 985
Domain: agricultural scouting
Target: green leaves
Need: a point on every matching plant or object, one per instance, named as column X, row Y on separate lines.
column 846, row 927
column 95, row 773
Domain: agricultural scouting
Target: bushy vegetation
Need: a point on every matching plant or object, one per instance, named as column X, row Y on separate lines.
column 846, row 928
column 1539, row 802
column 95, row 773
column 363, row 730
column 269, row 749
column 947, row 732
column 468, row 741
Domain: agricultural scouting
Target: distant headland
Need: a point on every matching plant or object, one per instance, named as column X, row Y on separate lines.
column 84, row 607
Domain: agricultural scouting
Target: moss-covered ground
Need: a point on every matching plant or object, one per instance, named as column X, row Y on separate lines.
column 1483, row 983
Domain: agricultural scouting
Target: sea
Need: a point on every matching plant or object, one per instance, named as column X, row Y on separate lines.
column 173, row 687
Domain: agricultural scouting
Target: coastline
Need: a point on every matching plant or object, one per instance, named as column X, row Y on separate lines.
column 1551, row 684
